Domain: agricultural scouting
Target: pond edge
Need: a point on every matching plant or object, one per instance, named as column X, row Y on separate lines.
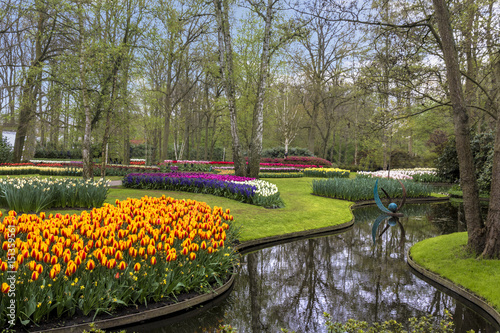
column 467, row 295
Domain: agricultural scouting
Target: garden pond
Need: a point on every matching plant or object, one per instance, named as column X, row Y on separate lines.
column 346, row 275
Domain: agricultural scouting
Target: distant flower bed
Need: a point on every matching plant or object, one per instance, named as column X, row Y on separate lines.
column 426, row 175
column 137, row 252
column 72, row 169
column 243, row 189
column 281, row 175
column 35, row 194
column 292, row 161
column 362, row 188
column 265, row 169
column 326, row 173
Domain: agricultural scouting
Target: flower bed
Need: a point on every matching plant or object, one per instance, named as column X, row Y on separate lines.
column 362, row 188
column 326, row 173
column 73, row 169
column 427, row 175
column 281, row 175
column 293, row 161
column 139, row 251
column 34, row 194
column 243, row 189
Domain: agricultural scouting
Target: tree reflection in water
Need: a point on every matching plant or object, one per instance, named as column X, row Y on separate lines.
column 346, row 275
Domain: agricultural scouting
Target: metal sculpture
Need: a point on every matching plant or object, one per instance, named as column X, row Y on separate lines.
column 390, row 213
column 392, row 209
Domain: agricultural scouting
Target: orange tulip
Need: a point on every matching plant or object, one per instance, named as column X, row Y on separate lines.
column 90, row 264
column 4, row 266
column 32, row 265
column 5, row 288
column 67, row 257
column 151, row 250
column 53, row 273
column 34, row 275
column 111, row 263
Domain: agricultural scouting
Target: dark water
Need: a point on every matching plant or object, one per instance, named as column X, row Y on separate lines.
column 346, row 275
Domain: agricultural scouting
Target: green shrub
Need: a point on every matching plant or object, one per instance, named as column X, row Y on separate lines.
column 422, row 324
column 278, row 152
column 362, row 188
column 5, row 150
column 482, row 145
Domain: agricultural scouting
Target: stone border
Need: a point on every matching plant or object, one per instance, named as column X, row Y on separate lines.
column 257, row 244
column 144, row 315
column 463, row 293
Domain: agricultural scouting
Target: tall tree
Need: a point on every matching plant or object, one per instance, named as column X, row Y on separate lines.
column 475, row 226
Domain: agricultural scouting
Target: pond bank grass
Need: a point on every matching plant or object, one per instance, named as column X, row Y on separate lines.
column 446, row 255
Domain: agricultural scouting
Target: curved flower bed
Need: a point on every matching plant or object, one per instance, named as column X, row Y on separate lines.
column 140, row 250
column 249, row 190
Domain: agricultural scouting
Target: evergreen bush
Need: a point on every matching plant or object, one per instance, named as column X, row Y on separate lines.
column 5, row 151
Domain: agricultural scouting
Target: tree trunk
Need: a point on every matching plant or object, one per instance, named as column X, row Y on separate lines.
column 226, row 65
column 29, row 90
column 88, row 165
column 258, row 112
column 475, row 226
column 492, row 246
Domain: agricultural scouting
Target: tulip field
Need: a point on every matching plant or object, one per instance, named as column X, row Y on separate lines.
column 136, row 251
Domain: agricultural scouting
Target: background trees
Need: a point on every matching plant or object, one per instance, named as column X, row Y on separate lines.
column 146, row 77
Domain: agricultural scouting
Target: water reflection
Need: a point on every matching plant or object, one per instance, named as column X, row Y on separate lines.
column 346, row 275
column 390, row 221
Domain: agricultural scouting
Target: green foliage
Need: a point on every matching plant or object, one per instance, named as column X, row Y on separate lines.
column 278, row 152
column 482, row 146
column 362, row 188
column 415, row 325
column 298, row 160
column 5, row 151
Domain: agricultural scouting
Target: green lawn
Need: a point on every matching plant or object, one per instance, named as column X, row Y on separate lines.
column 446, row 256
